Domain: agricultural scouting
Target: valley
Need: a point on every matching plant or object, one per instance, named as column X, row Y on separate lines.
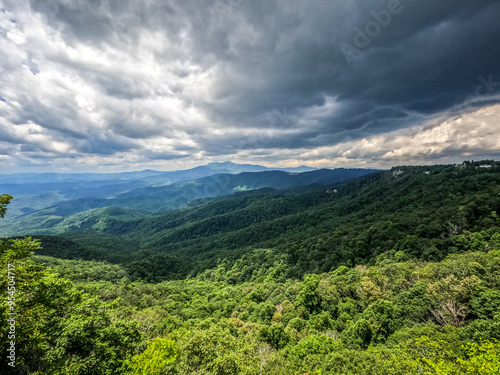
column 357, row 271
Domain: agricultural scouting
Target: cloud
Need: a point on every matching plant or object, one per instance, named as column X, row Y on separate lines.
column 439, row 141
column 172, row 84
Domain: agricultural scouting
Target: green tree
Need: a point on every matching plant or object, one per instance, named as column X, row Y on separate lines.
column 321, row 321
column 4, row 201
column 211, row 352
column 487, row 304
column 160, row 353
column 358, row 335
column 275, row 335
column 482, row 358
column 59, row 329
column 414, row 304
column 309, row 296
column 382, row 319
column 312, row 345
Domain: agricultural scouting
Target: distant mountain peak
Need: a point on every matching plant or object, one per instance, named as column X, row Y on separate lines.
column 222, row 163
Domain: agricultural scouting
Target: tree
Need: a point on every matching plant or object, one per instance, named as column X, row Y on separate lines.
column 4, row 201
column 210, row 352
column 414, row 304
column 482, row 358
column 358, row 335
column 382, row 320
column 160, row 353
column 487, row 304
column 58, row 329
column 309, row 296
column 275, row 335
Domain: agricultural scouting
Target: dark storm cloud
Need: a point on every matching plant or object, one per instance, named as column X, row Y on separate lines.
column 224, row 76
column 163, row 155
column 104, row 145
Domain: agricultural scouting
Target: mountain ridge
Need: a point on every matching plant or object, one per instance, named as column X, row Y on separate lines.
column 161, row 198
column 313, row 229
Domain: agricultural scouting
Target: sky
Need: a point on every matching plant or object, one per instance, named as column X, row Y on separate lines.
column 122, row 85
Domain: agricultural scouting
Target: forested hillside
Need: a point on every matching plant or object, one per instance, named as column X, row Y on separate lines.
column 57, row 211
column 36, row 191
column 392, row 273
column 426, row 215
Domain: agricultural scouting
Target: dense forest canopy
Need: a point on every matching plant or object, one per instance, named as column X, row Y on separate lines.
column 396, row 272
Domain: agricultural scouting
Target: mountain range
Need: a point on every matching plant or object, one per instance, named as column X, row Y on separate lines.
column 339, row 219
column 45, row 203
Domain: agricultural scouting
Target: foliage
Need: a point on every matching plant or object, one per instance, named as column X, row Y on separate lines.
column 58, row 329
column 408, row 283
column 303, row 231
column 482, row 358
column 4, row 201
column 159, row 354
column 275, row 335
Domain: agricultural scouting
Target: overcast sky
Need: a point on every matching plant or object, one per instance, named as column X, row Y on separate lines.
column 116, row 85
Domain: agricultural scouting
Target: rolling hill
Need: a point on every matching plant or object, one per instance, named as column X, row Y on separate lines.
column 57, row 217
column 34, row 191
column 417, row 210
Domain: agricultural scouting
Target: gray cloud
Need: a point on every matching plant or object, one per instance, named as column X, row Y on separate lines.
column 181, row 82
